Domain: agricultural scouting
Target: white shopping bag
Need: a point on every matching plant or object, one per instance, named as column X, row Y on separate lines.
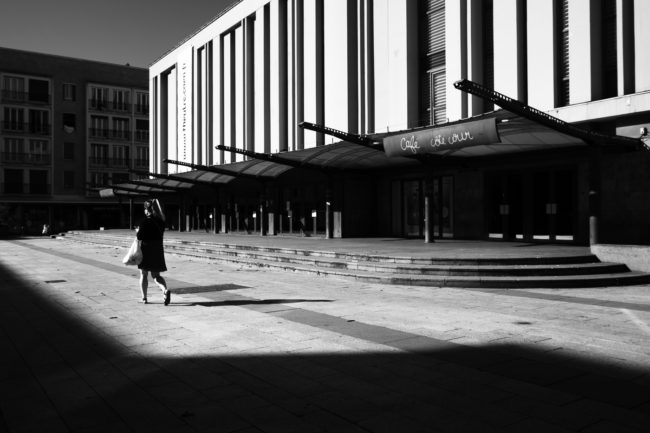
column 133, row 257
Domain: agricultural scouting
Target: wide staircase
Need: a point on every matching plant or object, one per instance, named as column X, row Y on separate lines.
column 480, row 271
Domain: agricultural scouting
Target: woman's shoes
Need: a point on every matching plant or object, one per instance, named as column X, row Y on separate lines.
column 144, row 301
column 167, row 295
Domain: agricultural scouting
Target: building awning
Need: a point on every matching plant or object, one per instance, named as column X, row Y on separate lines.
column 517, row 128
column 494, row 133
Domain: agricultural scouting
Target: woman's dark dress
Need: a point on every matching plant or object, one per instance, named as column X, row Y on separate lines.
column 151, row 234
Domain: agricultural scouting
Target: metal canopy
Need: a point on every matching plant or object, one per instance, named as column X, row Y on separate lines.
column 344, row 155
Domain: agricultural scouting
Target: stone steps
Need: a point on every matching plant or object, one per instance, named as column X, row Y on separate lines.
column 487, row 272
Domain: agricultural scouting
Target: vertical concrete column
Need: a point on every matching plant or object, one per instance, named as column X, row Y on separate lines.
column 542, row 76
column 552, row 207
column 262, row 95
column 625, row 46
column 396, row 59
column 456, row 57
column 340, row 60
column 299, row 73
column 594, row 195
column 527, row 207
column 509, row 53
column 262, row 214
column 504, row 208
column 249, row 83
column 328, row 209
column 584, row 51
column 641, row 38
column 428, row 219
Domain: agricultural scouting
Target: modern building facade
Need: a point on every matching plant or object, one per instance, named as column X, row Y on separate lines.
column 543, row 140
column 68, row 126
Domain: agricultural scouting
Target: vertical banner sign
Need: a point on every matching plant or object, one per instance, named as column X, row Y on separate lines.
column 184, row 104
column 436, row 139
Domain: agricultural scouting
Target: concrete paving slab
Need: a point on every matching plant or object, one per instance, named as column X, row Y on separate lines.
column 273, row 351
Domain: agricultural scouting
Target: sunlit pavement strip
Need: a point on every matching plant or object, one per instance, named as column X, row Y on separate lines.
column 269, row 313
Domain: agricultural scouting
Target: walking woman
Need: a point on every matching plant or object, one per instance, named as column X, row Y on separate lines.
column 150, row 233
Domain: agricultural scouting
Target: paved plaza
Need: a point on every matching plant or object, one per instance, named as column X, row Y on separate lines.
column 251, row 350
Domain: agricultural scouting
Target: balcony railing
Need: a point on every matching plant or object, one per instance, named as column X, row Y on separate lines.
column 141, row 108
column 142, row 136
column 11, row 127
column 109, row 134
column 24, row 97
column 95, row 161
column 109, row 106
column 26, row 158
column 25, row 188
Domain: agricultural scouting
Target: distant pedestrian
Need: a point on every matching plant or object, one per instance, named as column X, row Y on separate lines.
column 150, row 232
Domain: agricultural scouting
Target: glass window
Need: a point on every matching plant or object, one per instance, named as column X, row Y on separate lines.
column 69, row 92
column 39, row 121
column 13, row 150
column 39, row 90
column 121, row 100
column 13, row 88
column 69, row 122
column 14, row 119
column 121, row 128
column 99, row 98
column 98, row 179
column 99, row 126
column 142, row 103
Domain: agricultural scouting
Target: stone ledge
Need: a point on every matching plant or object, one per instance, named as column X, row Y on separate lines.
column 636, row 257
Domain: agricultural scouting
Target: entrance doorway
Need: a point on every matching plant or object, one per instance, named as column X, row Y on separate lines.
column 536, row 205
column 408, row 196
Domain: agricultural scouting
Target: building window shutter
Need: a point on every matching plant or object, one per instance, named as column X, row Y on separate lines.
column 432, row 83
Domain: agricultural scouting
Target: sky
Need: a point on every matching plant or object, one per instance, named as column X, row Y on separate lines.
column 136, row 32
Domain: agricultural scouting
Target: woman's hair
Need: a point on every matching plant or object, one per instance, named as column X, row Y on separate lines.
column 155, row 208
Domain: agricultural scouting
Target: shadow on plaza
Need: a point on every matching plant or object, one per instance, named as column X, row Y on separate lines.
column 55, row 368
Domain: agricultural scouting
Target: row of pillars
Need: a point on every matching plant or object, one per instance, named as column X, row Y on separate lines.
column 189, row 222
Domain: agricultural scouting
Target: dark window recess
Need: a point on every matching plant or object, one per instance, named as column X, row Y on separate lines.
column 13, row 181
column 488, row 50
column 141, row 124
column 69, row 122
column 562, row 54
column 39, row 90
column 38, row 181
column 68, row 150
column 608, row 35
column 68, row 179
column 120, row 178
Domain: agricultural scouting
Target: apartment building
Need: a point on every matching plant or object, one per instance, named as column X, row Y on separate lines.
column 466, row 119
column 69, row 127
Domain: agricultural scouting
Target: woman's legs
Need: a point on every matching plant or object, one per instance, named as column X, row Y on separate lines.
column 162, row 284
column 144, row 283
